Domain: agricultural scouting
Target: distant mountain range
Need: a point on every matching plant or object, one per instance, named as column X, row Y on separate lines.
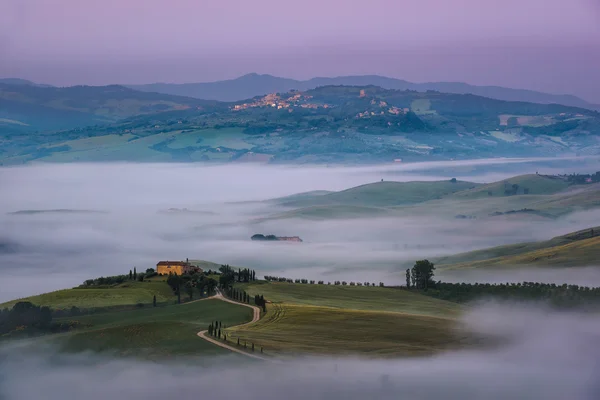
column 329, row 124
column 25, row 105
column 252, row 85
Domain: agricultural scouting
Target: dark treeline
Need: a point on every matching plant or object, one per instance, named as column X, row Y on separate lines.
column 216, row 330
column 26, row 318
column 582, row 179
column 191, row 283
column 557, row 295
column 312, row 282
column 118, row 279
column 243, row 297
column 229, row 276
column 420, row 278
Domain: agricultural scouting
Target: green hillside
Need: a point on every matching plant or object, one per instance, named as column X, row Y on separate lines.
column 331, row 124
column 129, row 293
column 581, row 248
column 383, row 194
column 162, row 332
column 332, row 212
column 328, row 319
column 518, row 185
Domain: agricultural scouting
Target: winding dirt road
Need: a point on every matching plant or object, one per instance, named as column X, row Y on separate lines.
column 204, row 334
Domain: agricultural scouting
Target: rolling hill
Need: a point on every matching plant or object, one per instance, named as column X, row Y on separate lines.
column 332, row 124
column 581, row 248
column 518, row 185
column 50, row 108
column 252, row 85
column 381, row 194
column 328, row 319
column 535, row 197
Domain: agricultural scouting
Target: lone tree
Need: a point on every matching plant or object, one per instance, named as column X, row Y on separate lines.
column 134, row 274
column 408, row 278
column 422, row 274
column 130, row 275
column 154, row 301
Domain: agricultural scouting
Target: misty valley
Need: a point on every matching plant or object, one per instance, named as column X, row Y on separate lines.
column 392, row 262
column 323, row 200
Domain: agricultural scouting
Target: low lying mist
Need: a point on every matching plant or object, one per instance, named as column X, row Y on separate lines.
column 543, row 355
column 152, row 212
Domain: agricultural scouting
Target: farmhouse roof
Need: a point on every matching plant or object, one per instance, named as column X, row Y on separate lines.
column 172, row 263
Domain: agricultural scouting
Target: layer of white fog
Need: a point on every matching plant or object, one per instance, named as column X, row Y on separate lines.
column 543, row 355
column 45, row 251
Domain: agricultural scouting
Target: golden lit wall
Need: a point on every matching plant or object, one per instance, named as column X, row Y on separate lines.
column 165, row 269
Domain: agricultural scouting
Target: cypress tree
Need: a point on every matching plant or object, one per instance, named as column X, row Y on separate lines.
column 130, row 275
column 238, row 343
column 134, row 273
column 154, row 301
column 260, row 349
column 245, row 345
column 219, row 334
column 252, row 346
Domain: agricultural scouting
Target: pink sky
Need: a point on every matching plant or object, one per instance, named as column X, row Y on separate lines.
column 545, row 45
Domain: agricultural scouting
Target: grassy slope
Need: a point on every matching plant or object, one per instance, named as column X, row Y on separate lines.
column 537, row 185
column 125, row 294
column 574, row 249
column 548, row 197
column 383, row 194
column 155, row 332
column 353, row 297
column 332, row 211
column 324, row 319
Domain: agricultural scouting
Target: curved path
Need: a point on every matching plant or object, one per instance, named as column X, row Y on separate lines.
column 204, row 334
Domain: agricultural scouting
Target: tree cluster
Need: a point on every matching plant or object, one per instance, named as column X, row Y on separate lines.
column 118, row 279
column 238, row 295
column 421, row 275
column 25, row 317
column 582, row 179
column 557, row 295
column 260, row 302
column 214, row 329
column 312, row 282
column 191, row 283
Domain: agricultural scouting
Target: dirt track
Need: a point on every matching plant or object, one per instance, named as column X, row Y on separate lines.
column 204, row 334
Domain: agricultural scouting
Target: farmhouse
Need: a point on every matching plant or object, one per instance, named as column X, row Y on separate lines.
column 289, row 238
column 175, row 267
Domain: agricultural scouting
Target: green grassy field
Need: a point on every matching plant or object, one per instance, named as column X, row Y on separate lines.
column 535, row 185
column 291, row 328
column 154, row 332
column 581, row 248
column 383, row 194
column 323, row 319
column 332, row 212
column 231, row 138
column 353, row 297
column 128, row 293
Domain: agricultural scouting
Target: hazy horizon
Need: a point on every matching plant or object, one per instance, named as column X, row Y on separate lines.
column 541, row 45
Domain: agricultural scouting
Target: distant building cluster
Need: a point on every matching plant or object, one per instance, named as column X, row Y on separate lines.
column 383, row 106
column 274, row 100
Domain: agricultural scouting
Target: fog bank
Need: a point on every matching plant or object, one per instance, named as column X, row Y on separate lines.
column 42, row 251
column 545, row 355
